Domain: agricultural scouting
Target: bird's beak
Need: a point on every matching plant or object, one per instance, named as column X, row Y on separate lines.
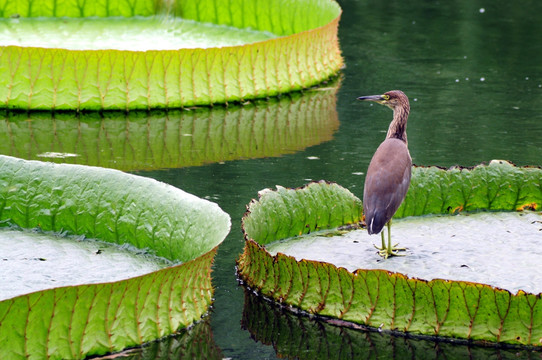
column 377, row 98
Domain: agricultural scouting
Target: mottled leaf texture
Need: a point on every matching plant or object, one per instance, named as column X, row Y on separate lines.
column 392, row 301
column 141, row 140
column 306, row 53
column 79, row 321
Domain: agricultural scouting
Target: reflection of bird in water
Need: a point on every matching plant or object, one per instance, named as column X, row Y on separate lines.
column 388, row 176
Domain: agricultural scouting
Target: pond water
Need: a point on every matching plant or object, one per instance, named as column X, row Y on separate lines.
column 499, row 249
column 33, row 261
column 134, row 33
column 475, row 84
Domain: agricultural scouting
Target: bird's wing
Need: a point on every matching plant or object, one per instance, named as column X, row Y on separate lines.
column 386, row 183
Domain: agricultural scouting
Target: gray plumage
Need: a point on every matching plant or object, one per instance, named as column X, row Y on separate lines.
column 388, row 175
column 386, row 183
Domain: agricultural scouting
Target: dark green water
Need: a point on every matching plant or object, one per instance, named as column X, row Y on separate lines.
column 473, row 73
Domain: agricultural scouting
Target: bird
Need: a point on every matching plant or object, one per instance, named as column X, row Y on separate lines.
column 388, row 176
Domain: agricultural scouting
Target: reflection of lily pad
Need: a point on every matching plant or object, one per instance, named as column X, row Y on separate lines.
column 305, row 53
column 176, row 138
column 74, row 322
column 294, row 336
column 392, row 301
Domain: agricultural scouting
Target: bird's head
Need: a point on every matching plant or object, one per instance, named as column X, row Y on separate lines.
column 391, row 99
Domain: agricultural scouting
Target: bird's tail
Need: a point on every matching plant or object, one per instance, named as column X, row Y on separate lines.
column 375, row 223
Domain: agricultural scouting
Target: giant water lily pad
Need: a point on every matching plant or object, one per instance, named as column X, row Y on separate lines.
column 301, row 50
column 79, row 321
column 388, row 300
column 140, row 140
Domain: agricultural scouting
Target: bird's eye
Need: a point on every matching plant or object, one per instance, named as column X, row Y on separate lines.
column 386, row 97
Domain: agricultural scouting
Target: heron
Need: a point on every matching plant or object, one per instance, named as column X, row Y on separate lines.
column 389, row 172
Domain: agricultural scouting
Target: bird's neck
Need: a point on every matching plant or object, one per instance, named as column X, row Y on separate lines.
column 397, row 127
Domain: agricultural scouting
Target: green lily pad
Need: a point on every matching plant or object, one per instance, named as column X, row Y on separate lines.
column 386, row 300
column 140, row 140
column 79, row 321
column 302, row 52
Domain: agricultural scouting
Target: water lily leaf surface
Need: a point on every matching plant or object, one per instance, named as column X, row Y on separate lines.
column 495, row 248
column 393, row 301
column 123, row 33
column 79, row 321
column 33, row 261
column 300, row 52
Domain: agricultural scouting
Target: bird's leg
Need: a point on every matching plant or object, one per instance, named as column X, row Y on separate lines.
column 390, row 248
column 393, row 250
column 387, row 251
column 383, row 251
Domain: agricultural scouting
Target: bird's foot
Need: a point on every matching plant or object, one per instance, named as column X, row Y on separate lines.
column 387, row 252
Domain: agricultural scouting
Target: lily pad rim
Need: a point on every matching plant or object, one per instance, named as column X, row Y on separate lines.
column 332, row 84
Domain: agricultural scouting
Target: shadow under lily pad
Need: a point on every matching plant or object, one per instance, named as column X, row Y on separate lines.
column 379, row 298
